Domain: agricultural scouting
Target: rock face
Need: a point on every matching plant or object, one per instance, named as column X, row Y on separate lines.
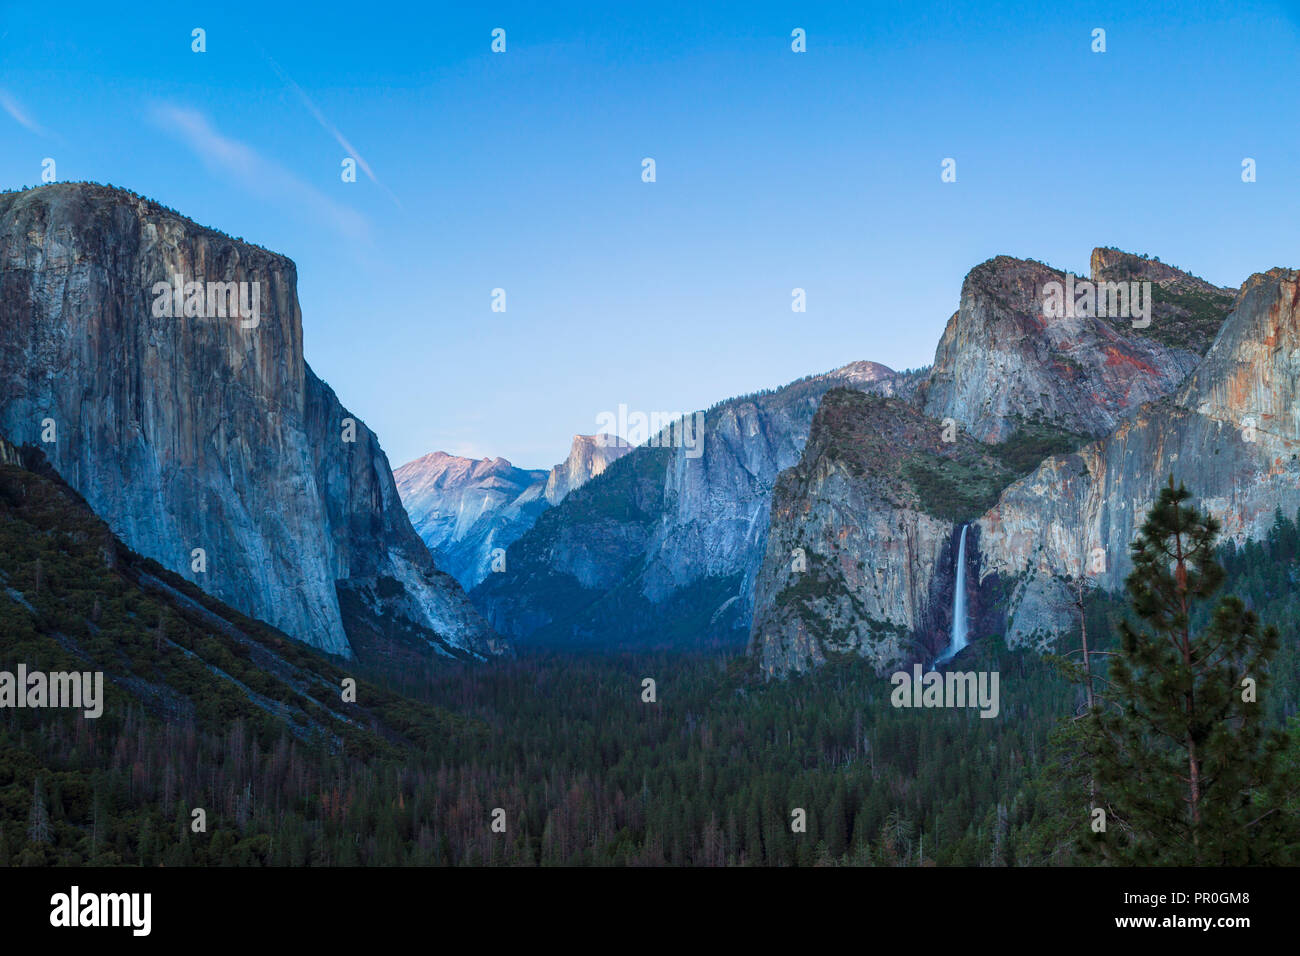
column 1232, row 435
column 589, row 456
column 876, row 503
column 664, row 547
column 1001, row 361
column 464, row 509
column 209, row 433
column 859, row 552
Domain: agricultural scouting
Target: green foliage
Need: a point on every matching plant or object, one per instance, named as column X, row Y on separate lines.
column 630, row 489
column 960, row 487
column 195, row 695
column 1184, row 761
column 955, row 490
column 1033, row 441
column 221, row 712
column 1187, row 319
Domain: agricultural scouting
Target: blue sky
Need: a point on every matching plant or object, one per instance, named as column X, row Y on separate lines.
column 775, row 170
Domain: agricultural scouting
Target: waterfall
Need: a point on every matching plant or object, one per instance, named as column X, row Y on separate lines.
column 957, row 637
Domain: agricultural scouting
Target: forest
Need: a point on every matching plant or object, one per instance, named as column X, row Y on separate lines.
column 586, row 770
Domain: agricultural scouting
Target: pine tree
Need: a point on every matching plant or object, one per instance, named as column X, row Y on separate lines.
column 1187, row 773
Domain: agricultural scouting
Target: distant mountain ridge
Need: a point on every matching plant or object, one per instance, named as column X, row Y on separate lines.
column 465, row 509
column 816, row 520
column 589, row 456
column 845, row 543
column 663, row 547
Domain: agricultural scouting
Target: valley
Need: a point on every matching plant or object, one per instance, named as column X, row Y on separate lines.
column 367, row 665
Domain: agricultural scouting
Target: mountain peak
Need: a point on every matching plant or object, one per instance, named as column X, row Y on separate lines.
column 1002, row 361
column 464, row 509
column 1251, row 375
column 1115, row 265
column 589, row 455
column 439, row 467
column 860, row 373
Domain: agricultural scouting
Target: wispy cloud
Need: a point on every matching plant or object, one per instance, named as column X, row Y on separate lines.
column 331, row 128
column 20, row 115
column 254, row 172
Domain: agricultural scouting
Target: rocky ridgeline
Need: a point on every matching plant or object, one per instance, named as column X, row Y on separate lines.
column 1231, row 434
column 209, row 432
column 589, row 456
column 846, row 545
column 665, row 545
column 1002, row 360
column 879, row 539
column 467, row 511
column 820, row 518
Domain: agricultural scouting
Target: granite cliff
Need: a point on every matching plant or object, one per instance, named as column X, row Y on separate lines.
column 1057, row 429
column 862, row 535
column 1001, row 360
column 1231, row 434
column 202, row 437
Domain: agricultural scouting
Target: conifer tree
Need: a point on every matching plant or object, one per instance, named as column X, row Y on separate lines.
column 1188, row 774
